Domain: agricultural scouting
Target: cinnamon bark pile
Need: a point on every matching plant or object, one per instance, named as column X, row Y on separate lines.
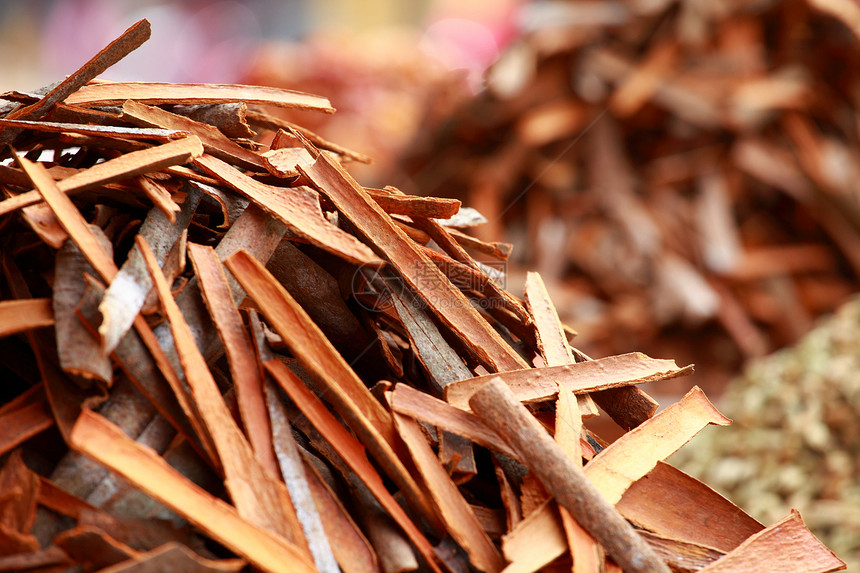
column 218, row 353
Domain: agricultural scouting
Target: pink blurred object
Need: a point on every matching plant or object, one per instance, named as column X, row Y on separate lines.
column 191, row 41
column 470, row 35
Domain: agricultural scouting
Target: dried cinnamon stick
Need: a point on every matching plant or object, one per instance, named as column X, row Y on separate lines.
column 496, row 405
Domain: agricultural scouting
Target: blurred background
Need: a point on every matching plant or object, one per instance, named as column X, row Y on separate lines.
column 684, row 174
column 386, row 65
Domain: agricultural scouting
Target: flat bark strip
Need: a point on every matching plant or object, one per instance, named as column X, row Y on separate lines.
column 680, row 555
column 78, row 348
column 21, row 424
column 422, row 276
column 510, row 503
column 106, row 143
column 568, row 426
column 629, row 406
column 134, row 163
column 411, row 230
column 174, row 556
column 351, row 548
column 43, row 222
column 471, row 278
column 63, row 112
column 247, row 379
column 131, row 133
column 214, row 142
column 534, row 541
column 392, row 548
column 118, row 497
column 537, row 384
column 459, row 518
column 25, row 314
column 258, row 496
column 297, row 207
column 99, row 439
column 333, row 537
column 228, row 117
column 281, row 162
column 289, row 462
column 495, row 249
column 785, row 546
column 189, row 174
column 343, row 388
column 16, row 177
column 499, row 408
column 636, row 453
column 70, row 218
column 586, row 553
column 674, row 504
column 412, row 206
column 424, row 408
column 159, row 196
column 351, row 451
column 551, row 340
column 154, row 93
column 441, row 361
column 93, row 546
column 126, row 43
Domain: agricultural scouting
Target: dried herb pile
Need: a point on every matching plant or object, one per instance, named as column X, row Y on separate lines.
column 676, row 171
column 217, row 353
column 794, row 442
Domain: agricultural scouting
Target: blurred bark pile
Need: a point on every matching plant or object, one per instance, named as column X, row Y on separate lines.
column 218, row 353
column 670, row 168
